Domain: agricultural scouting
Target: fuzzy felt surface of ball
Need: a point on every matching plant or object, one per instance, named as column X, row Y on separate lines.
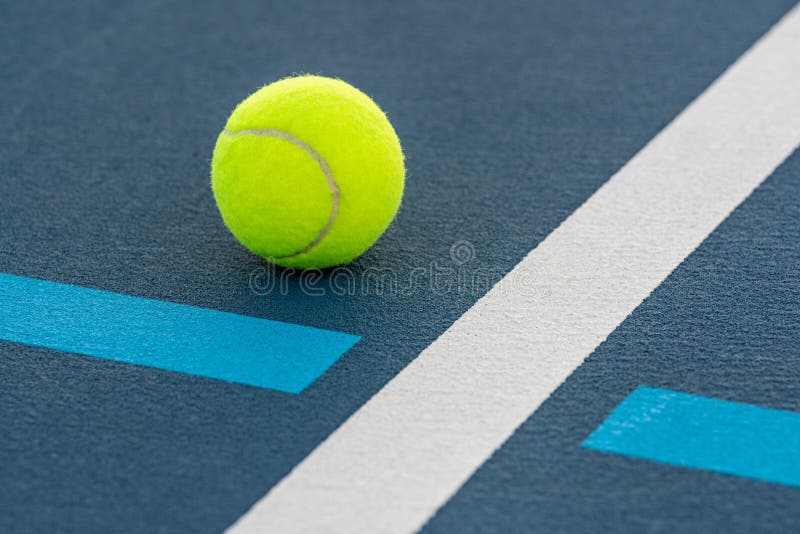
column 308, row 172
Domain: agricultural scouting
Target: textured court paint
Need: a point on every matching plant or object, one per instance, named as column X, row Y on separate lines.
column 511, row 118
column 694, row 431
column 722, row 325
column 174, row 337
column 394, row 462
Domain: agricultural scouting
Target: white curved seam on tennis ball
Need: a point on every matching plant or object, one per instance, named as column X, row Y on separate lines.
column 333, row 187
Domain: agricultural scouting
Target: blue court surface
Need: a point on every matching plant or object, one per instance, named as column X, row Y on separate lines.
column 585, row 316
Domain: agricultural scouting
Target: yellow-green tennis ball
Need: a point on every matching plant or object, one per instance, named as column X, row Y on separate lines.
column 308, row 172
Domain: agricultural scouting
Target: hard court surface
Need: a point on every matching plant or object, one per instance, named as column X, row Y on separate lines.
column 673, row 289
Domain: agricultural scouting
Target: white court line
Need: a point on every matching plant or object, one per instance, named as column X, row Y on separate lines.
column 400, row 457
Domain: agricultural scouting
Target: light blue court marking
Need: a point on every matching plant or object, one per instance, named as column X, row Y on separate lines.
column 704, row 433
column 165, row 335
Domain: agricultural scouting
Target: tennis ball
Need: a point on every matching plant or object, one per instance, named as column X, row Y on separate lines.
column 308, row 172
